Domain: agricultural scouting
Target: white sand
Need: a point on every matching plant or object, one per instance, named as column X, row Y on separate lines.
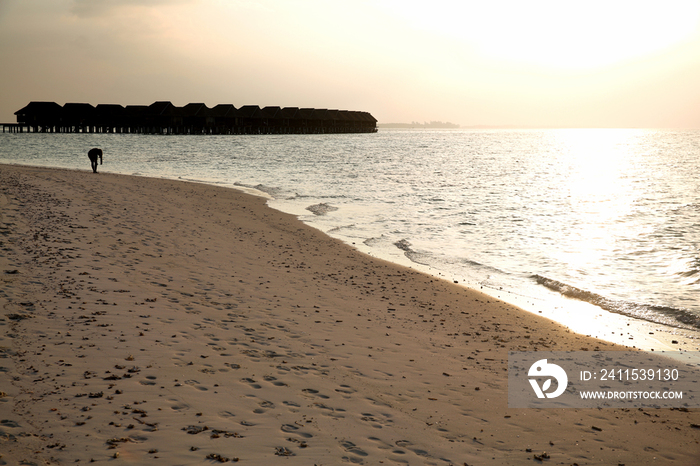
column 161, row 322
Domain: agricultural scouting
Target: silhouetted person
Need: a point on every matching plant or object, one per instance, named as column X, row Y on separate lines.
column 93, row 154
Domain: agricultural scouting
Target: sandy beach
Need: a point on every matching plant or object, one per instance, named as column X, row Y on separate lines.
column 150, row 321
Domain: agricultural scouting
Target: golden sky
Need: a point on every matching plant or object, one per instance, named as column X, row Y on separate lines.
column 558, row 63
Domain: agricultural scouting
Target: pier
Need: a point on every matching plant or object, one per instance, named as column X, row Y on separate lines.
column 163, row 117
column 14, row 128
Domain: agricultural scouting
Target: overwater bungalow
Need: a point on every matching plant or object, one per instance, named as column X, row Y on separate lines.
column 162, row 117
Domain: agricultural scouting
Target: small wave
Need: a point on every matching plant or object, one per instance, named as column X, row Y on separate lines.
column 404, row 245
column 307, row 196
column 195, row 180
column 321, row 209
column 413, row 256
column 374, row 241
column 691, row 276
column 341, row 227
column 658, row 314
column 270, row 190
column 437, row 262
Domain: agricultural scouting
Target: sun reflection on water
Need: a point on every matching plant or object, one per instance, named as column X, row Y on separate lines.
column 599, row 189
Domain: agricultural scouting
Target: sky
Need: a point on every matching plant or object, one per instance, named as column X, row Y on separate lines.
column 563, row 63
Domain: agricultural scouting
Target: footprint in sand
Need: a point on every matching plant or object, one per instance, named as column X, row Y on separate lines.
column 377, row 421
column 252, row 383
column 196, row 385
column 264, row 406
column 9, row 423
column 345, row 391
column 179, row 406
column 292, row 429
column 409, row 446
column 314, row 393
column 274, row 381
column 381, row 444
column 357, row 453
column 150, row 380
column 335, row 413
column 352, row 448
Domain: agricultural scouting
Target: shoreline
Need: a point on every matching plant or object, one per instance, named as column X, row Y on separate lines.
column 167, row 321
column 579, row 316
column 516, row 289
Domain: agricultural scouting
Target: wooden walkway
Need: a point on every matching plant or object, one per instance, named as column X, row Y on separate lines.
column 15, row 128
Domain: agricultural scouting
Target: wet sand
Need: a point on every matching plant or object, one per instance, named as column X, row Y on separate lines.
column 149, row 321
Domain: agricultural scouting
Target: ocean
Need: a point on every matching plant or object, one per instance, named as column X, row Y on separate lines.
column 606, row 217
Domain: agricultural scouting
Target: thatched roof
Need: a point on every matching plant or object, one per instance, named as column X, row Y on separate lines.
column 224, row 111
column 250, row 111
column 40, row 108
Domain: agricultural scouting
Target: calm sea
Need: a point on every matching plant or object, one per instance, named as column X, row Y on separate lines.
column 609, row 217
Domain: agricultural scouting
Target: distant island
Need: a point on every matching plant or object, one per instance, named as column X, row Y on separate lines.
column 415, row 124
column 448, row 125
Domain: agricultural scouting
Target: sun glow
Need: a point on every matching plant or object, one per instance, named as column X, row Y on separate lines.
column 556, row 34
column 600, row 189
column 599, row 162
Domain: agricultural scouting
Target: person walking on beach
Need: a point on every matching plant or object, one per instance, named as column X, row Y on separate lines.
column 93, row 154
